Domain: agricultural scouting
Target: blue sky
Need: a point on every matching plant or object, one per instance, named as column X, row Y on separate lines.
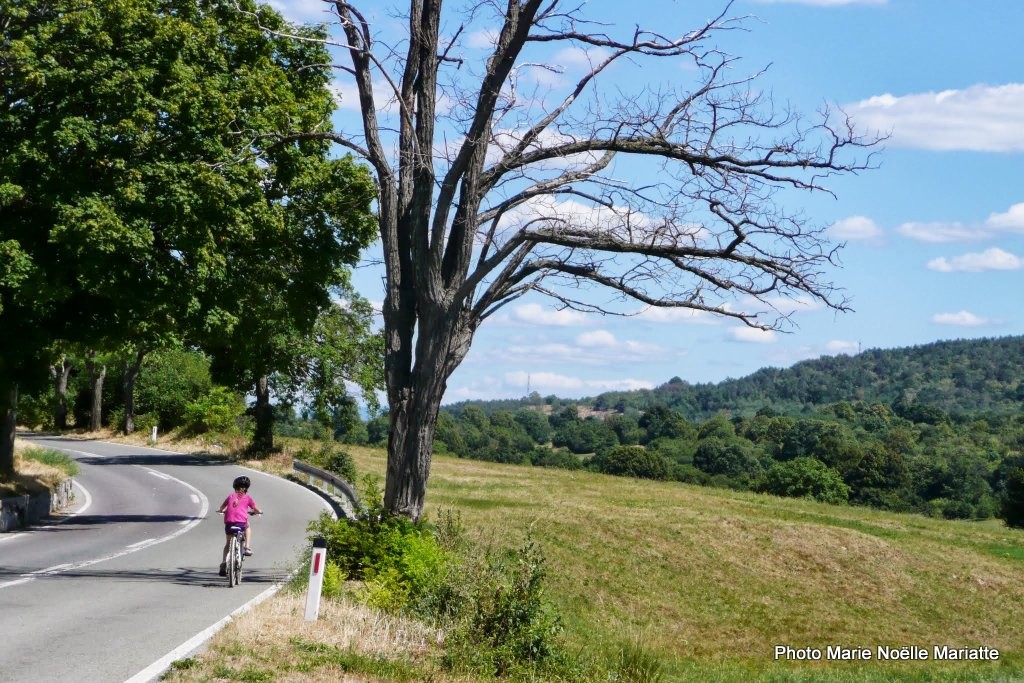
column 934, row 236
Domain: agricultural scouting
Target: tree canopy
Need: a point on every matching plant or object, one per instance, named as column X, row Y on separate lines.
column 140, row 197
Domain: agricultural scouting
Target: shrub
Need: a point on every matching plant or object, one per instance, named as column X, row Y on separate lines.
column 333, row 580
column 631, row 461
column 490, row 603
column 804, row 477
column 542, row 456
column 506, row 625
column 329, row 457
column 217, row 411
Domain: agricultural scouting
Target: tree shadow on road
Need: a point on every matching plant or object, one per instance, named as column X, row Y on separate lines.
column 184, row 576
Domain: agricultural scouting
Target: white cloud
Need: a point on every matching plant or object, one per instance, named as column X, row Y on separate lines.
column 940, row 233
column 1011, row 220
column 303, row 11
column 960, row 319
column 855, row 228
column 602, row 338
column 554, row 383
column 980, row 118
column 483, row 39
column 990, row 259
column 598, row 347
column 752, row 335
column 842, row 347
column 536, row 314
column 658, row 314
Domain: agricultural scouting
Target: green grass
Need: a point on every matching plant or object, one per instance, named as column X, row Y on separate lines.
column 665, row 582
column 714, row 579
column 53, row 458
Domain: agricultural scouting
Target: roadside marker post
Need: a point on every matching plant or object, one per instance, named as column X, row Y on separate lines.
column 316, row 578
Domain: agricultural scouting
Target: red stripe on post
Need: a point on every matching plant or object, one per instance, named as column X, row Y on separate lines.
column 316, row 563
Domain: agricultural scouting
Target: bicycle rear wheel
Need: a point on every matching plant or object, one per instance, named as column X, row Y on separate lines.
column 238, row 560
column 232, row 561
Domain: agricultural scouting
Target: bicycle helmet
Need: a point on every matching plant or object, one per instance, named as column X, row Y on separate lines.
column 241, row 483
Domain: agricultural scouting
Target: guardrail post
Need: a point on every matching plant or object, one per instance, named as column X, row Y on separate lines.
column 316, row 578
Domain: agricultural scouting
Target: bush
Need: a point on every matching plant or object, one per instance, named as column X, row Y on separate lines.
column 1013, row 502
column 490, row 603
column 329, row 457
column 631, row 461
column 218, row 411
column 506, row 625
column 804, row 478
column 542, row 456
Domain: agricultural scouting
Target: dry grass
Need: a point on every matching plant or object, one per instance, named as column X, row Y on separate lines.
column 275, row 640
column 30, row 475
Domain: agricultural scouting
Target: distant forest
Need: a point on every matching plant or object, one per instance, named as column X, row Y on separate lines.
column 962, row 378
column 936, row 429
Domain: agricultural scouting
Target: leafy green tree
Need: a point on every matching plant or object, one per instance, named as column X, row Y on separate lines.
column 142, row 191
column 535, row 423
column 342, row 354
column 662, row 422
column 718, row 427
column 716, row 455
column 170, row 380
column 804, row 477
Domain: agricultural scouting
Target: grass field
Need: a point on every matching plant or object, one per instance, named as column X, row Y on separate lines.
column 711, row 580
column 704, row 582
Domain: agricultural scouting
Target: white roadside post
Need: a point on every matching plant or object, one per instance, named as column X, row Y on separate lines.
column 152, row 435
column 316, row 578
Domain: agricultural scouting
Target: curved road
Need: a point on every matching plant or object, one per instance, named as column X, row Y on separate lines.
column 130, row 574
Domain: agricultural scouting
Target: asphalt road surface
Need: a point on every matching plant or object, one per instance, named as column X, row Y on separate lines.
column 130, row 573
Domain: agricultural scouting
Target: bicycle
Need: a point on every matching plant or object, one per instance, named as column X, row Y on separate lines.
column 235, row 555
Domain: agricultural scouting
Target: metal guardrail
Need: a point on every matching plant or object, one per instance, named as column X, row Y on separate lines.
column 331, row 484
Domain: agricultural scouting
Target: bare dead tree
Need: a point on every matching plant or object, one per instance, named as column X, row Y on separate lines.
column 491, row 187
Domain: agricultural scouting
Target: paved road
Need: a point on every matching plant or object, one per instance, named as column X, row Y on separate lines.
column 131, row 574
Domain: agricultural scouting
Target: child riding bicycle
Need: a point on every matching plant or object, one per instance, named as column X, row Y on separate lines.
column 235, row 509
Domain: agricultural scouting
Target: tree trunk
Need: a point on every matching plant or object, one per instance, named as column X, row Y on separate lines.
column 96, row 377
column 131, row 375
column 441, row 345
column 60, row 376
column 9, row 412
column 263, row 438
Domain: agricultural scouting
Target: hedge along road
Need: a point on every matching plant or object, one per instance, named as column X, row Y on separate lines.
column 130, row 574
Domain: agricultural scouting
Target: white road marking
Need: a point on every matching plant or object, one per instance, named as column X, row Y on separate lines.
column 60, row 568
column 161, row 475
column 154, row 670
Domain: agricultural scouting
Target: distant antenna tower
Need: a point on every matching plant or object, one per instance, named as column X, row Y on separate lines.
column 527, row 384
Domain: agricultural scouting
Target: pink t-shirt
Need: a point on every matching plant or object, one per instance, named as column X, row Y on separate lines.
column 236, row 508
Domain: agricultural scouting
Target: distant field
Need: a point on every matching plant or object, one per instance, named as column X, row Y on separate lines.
column 712, row 581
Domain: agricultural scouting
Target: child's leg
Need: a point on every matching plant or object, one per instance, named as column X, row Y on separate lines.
column 248, row 535
column 227, row 544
